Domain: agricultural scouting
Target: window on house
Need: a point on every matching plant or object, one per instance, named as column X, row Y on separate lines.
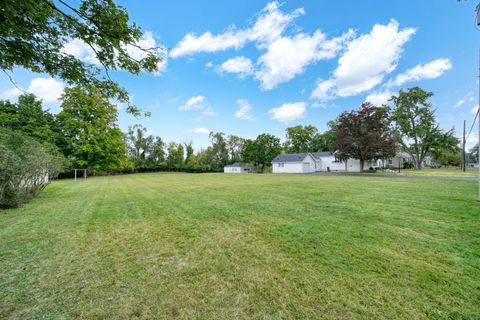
column 280, row 164
column 390, row 161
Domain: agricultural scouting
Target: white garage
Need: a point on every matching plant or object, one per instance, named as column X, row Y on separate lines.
column 294, row 163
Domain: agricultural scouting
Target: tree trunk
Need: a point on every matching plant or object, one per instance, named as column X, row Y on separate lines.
column 362, row 163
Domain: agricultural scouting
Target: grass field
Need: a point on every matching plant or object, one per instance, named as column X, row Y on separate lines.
column 215, row 246
column 436, row 172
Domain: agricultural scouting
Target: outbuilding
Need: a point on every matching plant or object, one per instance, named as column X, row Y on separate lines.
column 238, row 167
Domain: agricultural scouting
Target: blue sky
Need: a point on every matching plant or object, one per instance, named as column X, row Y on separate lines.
column 249, row 67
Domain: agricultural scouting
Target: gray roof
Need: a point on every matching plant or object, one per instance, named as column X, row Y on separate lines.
column 318, row 155
column 290, row 157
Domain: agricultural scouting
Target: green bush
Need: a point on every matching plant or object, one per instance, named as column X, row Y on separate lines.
column 26, row 167
column 408, row 165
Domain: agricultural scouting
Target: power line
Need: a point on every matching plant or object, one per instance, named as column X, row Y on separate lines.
column 473, row 124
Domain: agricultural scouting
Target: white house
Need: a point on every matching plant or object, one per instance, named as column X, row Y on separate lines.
column 317, row 162
column 294, row 163
column 400, row 158
column 237, row 168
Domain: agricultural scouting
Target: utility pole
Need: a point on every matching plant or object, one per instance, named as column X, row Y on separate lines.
column 464, row 157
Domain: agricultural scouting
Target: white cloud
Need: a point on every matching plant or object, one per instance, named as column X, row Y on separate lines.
column 288, row 111
column 80, row 50
column 198, row 103
column 244, row 111
column 148, row 41
column 194, row 103
column 287, row 57
column 209, row 64
column 201, row 131
column 431, row 70
column 47, row 89
column 474, row 110
column 379, row 98
column 85, row 53
column 241, row 65
column 467, row 98
column 269, row 25
column 365, row 62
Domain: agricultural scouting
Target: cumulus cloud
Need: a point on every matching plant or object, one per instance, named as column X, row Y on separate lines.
column 85, row 53
column 201, row 131
column 269, row 25
column 47, row 89
column 198, row 103
column 244, row 111
column 365, row 62
column 379, row 98
column 287, row 57
column 240, row 65
column 431, row 70
column 288, row 111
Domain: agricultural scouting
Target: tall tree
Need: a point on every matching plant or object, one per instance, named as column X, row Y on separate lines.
column 364, row 134
column 219, row 154
column 234, row 147
column 325, row 141
column 417, row 131
column 28, row 117
column 301, row 139
column 175, row 154
column 92, row 138
column 34, row 35
column 140, row 145
column 189, row 153
column 262, row 150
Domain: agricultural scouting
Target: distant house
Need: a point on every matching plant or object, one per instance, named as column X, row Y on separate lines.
column 317, row 162
column 402, row 157
column 238, row 167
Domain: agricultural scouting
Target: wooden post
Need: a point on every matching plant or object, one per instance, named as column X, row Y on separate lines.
column 75, row 174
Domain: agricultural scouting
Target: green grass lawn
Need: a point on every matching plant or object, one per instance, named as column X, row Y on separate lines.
column 437, row 172
column 215, row 246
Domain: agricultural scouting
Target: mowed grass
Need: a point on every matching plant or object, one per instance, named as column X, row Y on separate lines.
column 436, row 172
column 216, row 246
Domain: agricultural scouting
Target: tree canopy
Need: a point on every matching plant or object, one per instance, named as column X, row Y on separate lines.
column 33, row 35
column 417, row 131
column 91, row 137
column 364, row 134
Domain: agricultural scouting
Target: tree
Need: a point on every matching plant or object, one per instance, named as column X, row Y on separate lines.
column 157, row 155
column 262, row 150
column 301, row 139
column 325, row 141
column 28, row 116
column 364, row 134
column 175, row 154
column 473, row 154
column 139, row 145
column 416, row 129
column 34, row 34
column 219, row 152
column 91, row 138
column 189, row 153
column 234, row 148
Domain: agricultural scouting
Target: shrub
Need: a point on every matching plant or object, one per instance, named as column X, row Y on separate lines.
column 408, row 165
column 26, row 167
